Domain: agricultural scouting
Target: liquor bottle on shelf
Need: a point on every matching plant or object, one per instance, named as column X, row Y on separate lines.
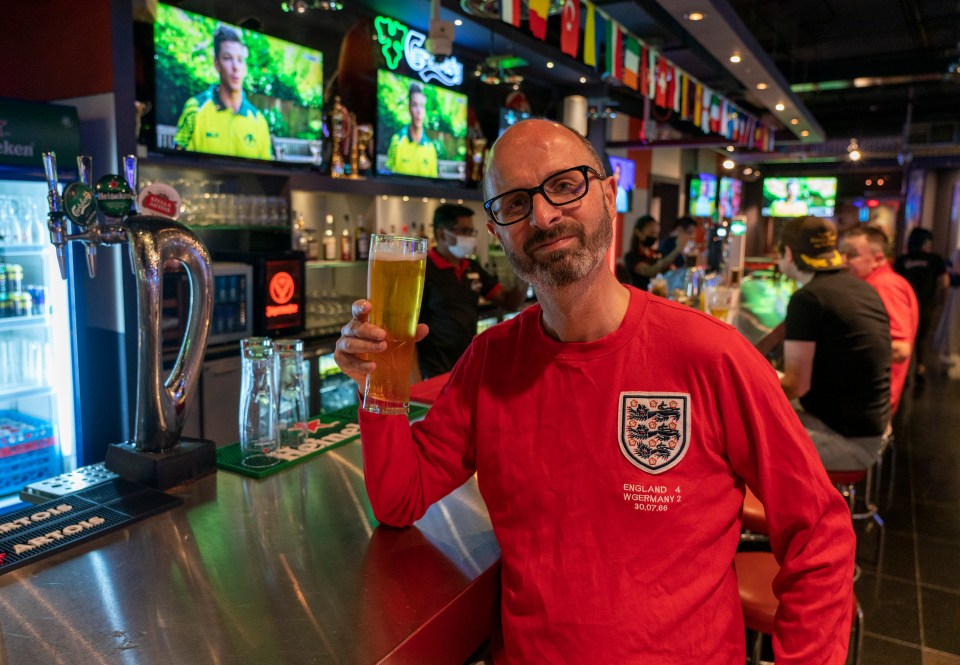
column 329, row 240
column 346, row 241
column 363, row 241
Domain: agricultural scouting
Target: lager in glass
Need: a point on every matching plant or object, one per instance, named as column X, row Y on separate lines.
column 395, row 275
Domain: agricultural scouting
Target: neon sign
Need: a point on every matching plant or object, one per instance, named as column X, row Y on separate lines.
column 397, row 40
column 282, row 289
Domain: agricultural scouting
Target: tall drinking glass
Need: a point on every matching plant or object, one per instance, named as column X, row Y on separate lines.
column 259, row 435
column 292, row 394
column 395, row 274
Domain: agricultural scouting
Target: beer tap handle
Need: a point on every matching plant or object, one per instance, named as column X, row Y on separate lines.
column 55, row 218
column 130, row 173
column 85, row 169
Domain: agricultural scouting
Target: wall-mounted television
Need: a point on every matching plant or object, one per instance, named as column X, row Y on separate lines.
column 625, row 170
column 702, row 195
column 226, row 90
column 729, row 199
column 798, row 197
column 421, row 128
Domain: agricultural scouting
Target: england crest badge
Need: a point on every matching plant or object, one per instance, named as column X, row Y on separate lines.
column 654, row 429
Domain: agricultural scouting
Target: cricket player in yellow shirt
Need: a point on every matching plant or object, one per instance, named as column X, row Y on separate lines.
column 411, row 152
column 222, row 120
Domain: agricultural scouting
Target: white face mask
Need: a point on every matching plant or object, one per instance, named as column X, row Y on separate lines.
column 466, row 246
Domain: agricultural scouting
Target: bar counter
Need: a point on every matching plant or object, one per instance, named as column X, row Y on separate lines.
column 292, row 568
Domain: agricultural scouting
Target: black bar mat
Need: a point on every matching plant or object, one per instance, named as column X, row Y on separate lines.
column 36, row 532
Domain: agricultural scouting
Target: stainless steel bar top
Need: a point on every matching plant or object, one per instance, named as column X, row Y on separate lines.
column 292, row 568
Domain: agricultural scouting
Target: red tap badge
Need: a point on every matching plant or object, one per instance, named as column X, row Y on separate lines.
column 283, row 295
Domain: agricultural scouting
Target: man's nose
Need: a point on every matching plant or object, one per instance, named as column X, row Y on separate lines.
column 543, row 213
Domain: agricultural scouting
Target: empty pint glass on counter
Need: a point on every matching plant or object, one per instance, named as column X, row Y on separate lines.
column 291, row 393
column 259, row 434
column 394, row 288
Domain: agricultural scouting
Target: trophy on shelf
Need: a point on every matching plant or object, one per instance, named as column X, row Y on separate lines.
column 354, row 171
column 477, row 152
column 105, row 213
column 364, row 137
column 338, row 137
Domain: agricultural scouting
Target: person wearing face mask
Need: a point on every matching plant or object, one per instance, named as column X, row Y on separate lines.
column 643, row 260
column 452, row 289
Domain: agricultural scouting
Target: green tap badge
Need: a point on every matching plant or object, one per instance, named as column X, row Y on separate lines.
column 80, row 204
column 114, row 196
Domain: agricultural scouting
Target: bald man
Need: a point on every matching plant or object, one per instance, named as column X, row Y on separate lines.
column 612, row 433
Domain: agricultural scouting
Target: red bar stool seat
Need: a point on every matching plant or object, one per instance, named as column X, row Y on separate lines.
column 755, row 574
column 754, row 519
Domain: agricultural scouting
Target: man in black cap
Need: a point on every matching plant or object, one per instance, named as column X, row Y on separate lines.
column 836, row 354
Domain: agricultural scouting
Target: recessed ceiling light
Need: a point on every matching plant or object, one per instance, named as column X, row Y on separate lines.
column 583, row 79
column 761, row 86
column 880, row 181
column 747, row 171
column 443, row 200
column 780, row 106
column 735, row 58
column 694, row 16
column 458, row 22
column 730, row 148
column 425, row 199
column 794, row 121
column 729, row 164
column 406, row 198
column 549, row 64
column 805, row 133
column 460, row 201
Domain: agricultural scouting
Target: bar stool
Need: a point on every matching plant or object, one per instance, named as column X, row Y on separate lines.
column 755, row 573
column 754, row 520
column 847, row 482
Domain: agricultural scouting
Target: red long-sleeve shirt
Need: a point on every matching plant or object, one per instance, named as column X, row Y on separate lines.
column 614, row 472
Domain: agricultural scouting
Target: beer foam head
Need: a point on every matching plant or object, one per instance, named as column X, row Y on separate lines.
column 397, row 250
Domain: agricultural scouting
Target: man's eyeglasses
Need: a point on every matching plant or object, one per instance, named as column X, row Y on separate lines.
column 560, row 189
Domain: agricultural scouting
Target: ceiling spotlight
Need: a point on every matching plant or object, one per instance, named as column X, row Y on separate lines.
column 730, row 148
column 868, row 182
column 747, row 170
column 694, row 16
column 406, row 198
column 458, row 23
column 729, row 164
column 805, row 133
column 853, row 151
column 735, row 58
column 794, row 121
column 780, row 106
column 880, row 182
column 761, row 86
column 549, row 64
column 583, row 79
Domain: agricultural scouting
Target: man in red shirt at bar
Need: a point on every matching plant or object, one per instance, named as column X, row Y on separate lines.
column 864, row 250
column 612, row 433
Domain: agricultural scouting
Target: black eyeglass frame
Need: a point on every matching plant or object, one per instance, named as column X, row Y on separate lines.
column 585, row 170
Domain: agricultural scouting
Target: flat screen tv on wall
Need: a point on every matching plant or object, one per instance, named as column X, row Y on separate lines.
column 226, row 90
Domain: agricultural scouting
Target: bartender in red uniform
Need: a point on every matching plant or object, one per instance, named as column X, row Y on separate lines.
column 612, row 433
column 454, row 283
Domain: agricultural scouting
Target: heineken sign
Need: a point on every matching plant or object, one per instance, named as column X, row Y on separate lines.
column 28, row 129
column 398, row 42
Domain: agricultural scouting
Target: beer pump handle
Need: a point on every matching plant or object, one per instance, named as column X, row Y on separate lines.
column 85, row 171
column 130, row 174
column 55, row 218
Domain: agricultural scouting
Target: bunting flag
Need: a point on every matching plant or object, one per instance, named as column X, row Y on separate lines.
column 643, row 75
column 697, row 104
column 684, row 96
column 570, row 27
column 715, row 113
column 661, row 97
column 590, row 36
column 705, row 110
column 615, row 50
column 538, row 18
column 652, row 74
column 510, row 12
column 600, row 30
column 673, row 90
column 631, row 63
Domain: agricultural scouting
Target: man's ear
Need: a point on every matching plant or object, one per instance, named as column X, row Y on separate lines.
column 494, row 230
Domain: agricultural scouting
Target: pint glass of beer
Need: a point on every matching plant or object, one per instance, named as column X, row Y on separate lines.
column 394, row 288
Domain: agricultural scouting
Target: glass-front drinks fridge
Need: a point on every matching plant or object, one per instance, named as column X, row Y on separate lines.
column 37, row 360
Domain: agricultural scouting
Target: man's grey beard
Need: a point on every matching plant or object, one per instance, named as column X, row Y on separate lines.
column 561, row 268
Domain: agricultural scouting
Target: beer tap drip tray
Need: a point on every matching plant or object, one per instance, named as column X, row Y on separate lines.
column 188, row 460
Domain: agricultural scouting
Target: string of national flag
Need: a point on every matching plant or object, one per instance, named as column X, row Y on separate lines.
column 630, row 62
